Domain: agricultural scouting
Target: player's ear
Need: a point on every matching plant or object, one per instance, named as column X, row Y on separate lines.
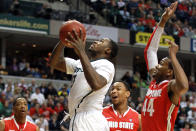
column 108, row 51
column 127, row 94
column 169, row 73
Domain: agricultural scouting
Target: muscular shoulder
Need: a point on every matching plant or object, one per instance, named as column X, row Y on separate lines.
column 2, row 125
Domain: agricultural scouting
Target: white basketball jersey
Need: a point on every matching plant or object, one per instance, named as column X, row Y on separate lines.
column 81, row 88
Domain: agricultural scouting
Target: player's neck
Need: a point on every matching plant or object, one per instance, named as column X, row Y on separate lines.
column 121, row 108
column 96, row 58
column 20, row 120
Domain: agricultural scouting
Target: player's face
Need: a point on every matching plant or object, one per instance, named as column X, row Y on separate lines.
column 119, row 93
column 161, row 68
column 99, row 46
column 20, row 107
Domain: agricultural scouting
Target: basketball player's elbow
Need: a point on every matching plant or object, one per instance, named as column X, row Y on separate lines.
column 98, row 85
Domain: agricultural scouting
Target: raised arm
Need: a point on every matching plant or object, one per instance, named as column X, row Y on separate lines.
column 57, row 60
column 150, row 52
column 94, row 79
column 179, row 85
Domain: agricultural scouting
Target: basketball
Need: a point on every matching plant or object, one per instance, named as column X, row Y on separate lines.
column 68, row 26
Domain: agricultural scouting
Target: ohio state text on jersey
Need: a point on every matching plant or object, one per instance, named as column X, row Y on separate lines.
column 129, row 121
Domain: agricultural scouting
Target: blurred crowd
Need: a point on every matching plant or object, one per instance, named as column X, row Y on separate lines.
column 45, row 10
column 142, row 15
column 46, row 104
column 37, row 68
column 135, row 15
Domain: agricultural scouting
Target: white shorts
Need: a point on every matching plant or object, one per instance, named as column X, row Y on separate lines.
column 92, row 120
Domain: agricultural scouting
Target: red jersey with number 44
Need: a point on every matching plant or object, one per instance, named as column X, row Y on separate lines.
column 158, row 112
column 129, row 121
column 12, row 125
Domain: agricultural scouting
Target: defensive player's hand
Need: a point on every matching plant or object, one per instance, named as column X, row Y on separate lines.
column 173, row 48
column 169, row 11
column 77, row 41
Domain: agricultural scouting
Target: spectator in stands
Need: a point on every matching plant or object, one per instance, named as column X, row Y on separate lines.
column 38, row 96
column 22, row 65
column 140, row 27
column 33, row 84
column 53, row 123
column 121, row 4
column 36, row 73
column 192, row 84
column 46, row 111
column 59, row 107
column 22, row 85
column 8, row 92
column 15, row 8
column 14, row 67
column 63, row 91
column 42, row 123
column 7, row 111
column 64, row 126
column 125, row 14
column 17, row 91
column 34, row 111
column 50, row 90
column 43, row 87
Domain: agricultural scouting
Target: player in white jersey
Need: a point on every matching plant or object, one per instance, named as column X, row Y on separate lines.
column 92, row 77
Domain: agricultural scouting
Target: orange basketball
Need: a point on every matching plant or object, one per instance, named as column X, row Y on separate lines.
column 68, row 26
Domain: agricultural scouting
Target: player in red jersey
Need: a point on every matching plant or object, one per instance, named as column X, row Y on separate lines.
column 18, row 121
column 119, row 115
column 168, row 83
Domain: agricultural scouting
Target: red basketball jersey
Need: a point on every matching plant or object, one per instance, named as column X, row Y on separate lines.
column 12, row 125
column 129, row 121
column 158, row 112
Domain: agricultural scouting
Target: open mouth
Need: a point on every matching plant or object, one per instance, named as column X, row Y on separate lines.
column 114, row 97
column 23, row 111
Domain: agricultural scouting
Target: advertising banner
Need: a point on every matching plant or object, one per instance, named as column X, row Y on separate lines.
column 98, row 32
column 143, row 37
column 24, row 24
column 193, row 45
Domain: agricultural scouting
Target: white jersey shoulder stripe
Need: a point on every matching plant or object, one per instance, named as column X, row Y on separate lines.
column 30, row 122
column 162, row 82
column 9, row 118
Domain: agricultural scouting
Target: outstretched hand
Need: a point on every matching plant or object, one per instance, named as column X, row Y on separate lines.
column 77, row 42
column 169, row 11
column 173, row 48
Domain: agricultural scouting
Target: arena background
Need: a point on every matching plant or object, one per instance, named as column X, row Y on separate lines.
column 29, row 31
